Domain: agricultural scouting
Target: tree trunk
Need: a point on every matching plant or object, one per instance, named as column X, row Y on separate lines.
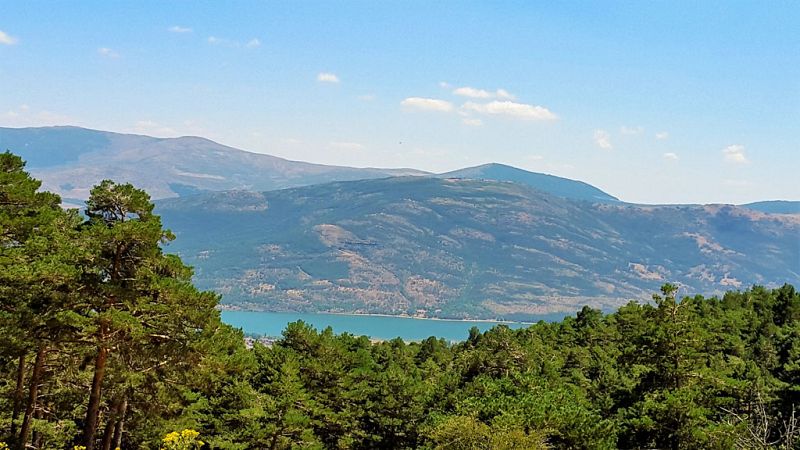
column 108, row 434
column 36, row 378
column 36, row 439
column 118, row 430
column 93, row 409
column 19, row 394
column 39, row 414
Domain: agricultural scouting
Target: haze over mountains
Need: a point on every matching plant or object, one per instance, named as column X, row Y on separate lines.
column 482, row 242
column 70, row 160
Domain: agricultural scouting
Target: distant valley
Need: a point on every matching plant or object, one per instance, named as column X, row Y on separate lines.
column 491, row 241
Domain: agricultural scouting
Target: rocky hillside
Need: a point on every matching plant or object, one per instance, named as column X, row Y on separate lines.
column 467, row 248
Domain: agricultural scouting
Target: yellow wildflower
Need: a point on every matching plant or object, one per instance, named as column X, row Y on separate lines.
column 182, row 440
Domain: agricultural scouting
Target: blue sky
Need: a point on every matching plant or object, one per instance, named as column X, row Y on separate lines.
column 655, row 102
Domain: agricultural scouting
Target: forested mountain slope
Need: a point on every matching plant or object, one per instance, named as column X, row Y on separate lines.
column 467, row 248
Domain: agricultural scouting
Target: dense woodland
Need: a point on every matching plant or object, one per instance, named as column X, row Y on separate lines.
column 105, row 343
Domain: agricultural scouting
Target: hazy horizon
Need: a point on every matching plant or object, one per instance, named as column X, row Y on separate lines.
column 653, row 103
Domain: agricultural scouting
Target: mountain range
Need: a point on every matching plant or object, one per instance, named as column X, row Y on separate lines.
column 70, row 160
column 464, row 248
column 491, row 241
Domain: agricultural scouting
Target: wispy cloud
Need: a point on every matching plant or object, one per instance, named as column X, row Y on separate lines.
column 7, row 39
column 225, row 42
column 327, row 77
column 427, row 104
column 670, row 156
column 472, row 121
column 510, row 109
column 367, row 97
column 179, row 29
column 738, row 183
column 350, row 146
column 734, row 154
column 445, row 85
column 471, row 92
column 152, row 128
column 603, row 139
column 25, row 116
column 107, row 52
column 662, row 135
column 631, row 131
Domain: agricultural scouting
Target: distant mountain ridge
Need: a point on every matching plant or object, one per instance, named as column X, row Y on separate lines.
column 464, row 248
column 562, row 187
column 775, row 206
column 70, row 160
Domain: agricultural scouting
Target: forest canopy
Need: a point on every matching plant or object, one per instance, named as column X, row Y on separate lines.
column 107, row 344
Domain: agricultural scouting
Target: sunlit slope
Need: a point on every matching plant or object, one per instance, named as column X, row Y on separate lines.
column 467, row 248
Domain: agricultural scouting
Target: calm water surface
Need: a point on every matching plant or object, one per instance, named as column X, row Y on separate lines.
column 376, row 327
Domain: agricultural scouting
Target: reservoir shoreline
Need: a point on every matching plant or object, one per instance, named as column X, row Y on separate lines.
column 375, row 326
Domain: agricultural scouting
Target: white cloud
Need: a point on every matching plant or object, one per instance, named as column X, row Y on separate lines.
column 291, row 141
column 630, row 131
column 327, row 77
column 603, row 139
column 445, row 85
column 213, row 40
column 662, row 135
column 471, row 92
column 738, row 183
column 152, row 128
column 670, row 156
column 179, row 29
column 735, row 154
column 24, row 116
column 504, row 94
column 107, row 52
column 511, row 109
column 427, row 104
column 472, row 122
column 350, row 146
column 230, row 43
column 7, row 39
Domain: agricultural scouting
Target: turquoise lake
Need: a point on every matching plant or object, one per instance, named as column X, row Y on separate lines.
column 376, row 327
